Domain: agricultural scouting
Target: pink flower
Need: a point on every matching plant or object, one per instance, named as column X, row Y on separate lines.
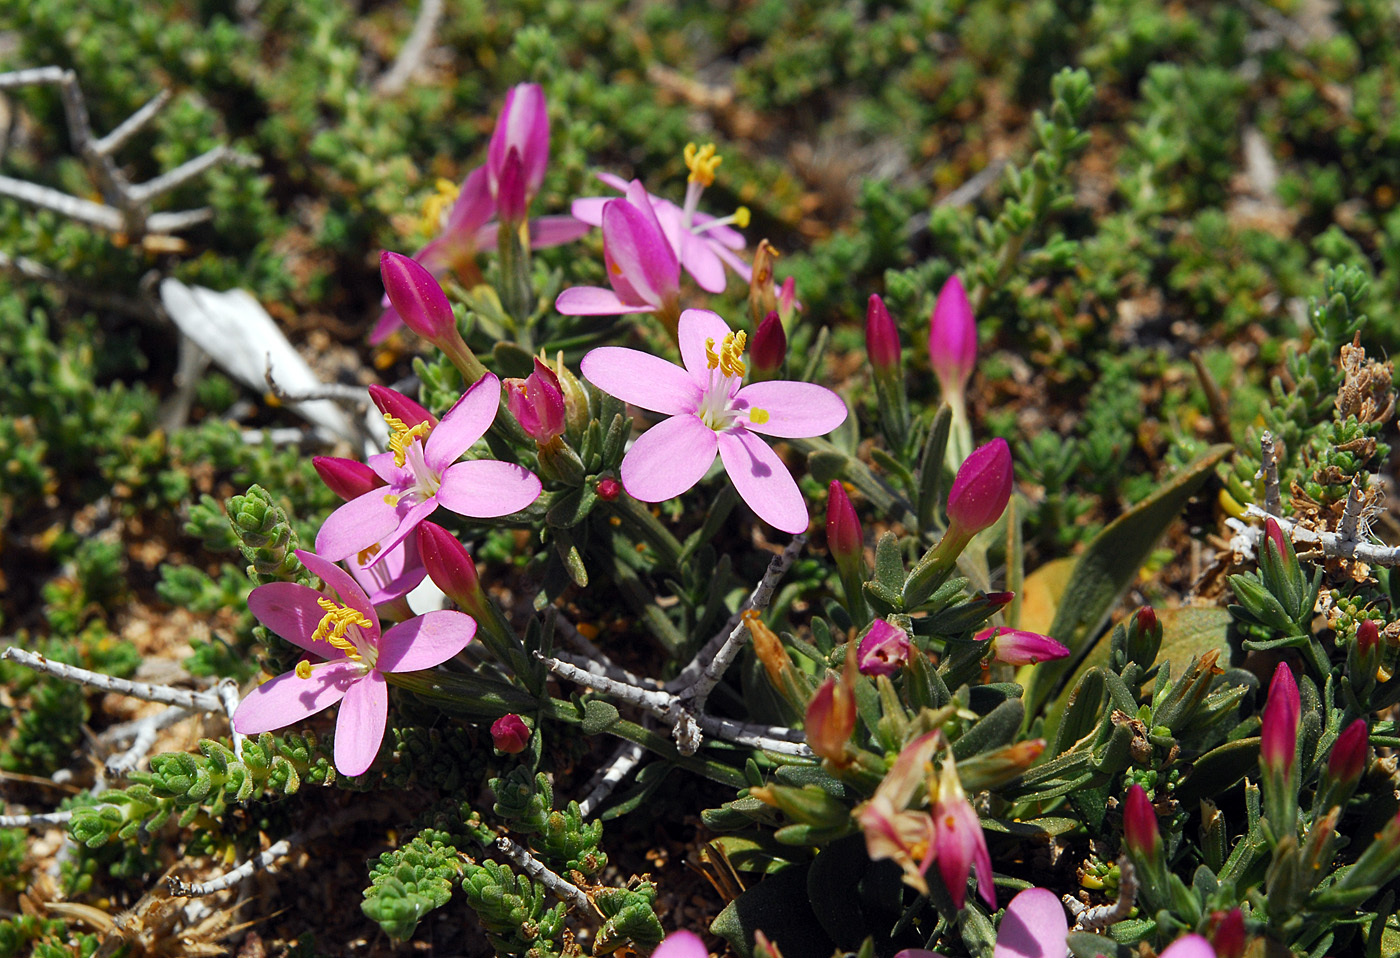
column 830, row 719
column 980, row 490
column 642, row 267
column 1348, row 757
column 1140, row 833
column 385, row 578
column 883, row 650
column 703, row 244
column 959, row 844
column 1189, row 946
column 681, row 944
column 346, row 636
column 519, row 151
column 952, row 338
column 1016, row 647
column 1034, row 926
column 422, row 472
column 881, row 337
column 1278, row 736
column 844, row 537
column 537, row 402
column 711, row 411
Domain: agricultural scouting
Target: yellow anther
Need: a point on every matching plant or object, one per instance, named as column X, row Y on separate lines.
column 402, row 436
column 303, row 669
column 702, row 163
column 758, row 416
column 741, row 217
column 336, row 623
column 389, row 500
column 727, row 360
column 436, row 205
column 366, row 554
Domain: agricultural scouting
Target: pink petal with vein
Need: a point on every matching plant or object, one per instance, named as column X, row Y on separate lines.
column 642, row 379
column 1034, row 926
column 359, row 728
column 474, row 206
column 639, row 250
column 410, row 516
column 358, row 524
column 795, row 410
column 485, row 488
column 397, row 572
column 465, row 423
column 548, row 231
column 290, row 610
column 279, row 702
column 763, row 481
column 744, row 270
column 668, row 458
column 701, row 262
column 595, row 301
column 425, row 641
column 695, row 327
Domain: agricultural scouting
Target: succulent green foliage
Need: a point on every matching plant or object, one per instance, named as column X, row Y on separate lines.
column 512, row 910
column 408, row 882
column 561, row 837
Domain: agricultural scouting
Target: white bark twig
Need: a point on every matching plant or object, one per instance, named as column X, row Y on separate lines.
column 1331, row 545
column 394, row 80
column 1351, row 513
column 610, row 776
column 1098, row 917
column 563, row 889
column 1267, row 455
column 227, row 690
column 186, row 698
column 39, row 818
column 232, row 877
column 654, row 701
column 137, row 727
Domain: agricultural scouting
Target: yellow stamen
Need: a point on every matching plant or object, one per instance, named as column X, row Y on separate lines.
column 389, row 500
column 741, row 217
column 366, row 554
column 727, row 360
column 402, row 436
column 304, row 669
column 437, row 204
column 702, row 163
column 335, row 624
column 757, row 416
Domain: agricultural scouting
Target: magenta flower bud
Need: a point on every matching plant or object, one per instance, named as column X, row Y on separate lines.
column 417, row 297
column 347, row 478
column 1348, row 758
column 981, row 489
column 881, row 337
column 537, row 402
column 522, row 130
column 397, row 405
column 844, row 536
column 1015, row 647
column 883, row 649
column 952, row 338
column 1140, row 833
column 1279, row 734
column 450, row 567
column 769, row 346
column 1146, row 619
column 1275, row 536
column 998, row 599
column 511, row 201
column 787, row 299
column 1227, row 934
column 510, row 734
column 1368, row 636
column 609, row 489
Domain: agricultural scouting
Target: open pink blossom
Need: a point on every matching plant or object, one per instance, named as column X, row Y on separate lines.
column 703, row 244
column 710, row 412
column 421, row 472
column 385, row 578
column 1034, row 926
column 642, row 266
column 355, row 656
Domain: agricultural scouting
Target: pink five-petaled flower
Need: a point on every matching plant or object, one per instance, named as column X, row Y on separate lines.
column 641, row 264
column 422, row 472
column 893, row 830
column 712, row 411
column 1016, row 647
column 356, row 655
column 959, row 844
column 1034, row 926
column 396, row 574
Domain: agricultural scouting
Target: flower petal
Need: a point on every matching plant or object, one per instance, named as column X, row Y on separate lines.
column 744, row 270
column 343, row 583
column 485, row 488
column 358, row 524
column 700, row 261
column 642, row 379
column 589, row 209
column 695, row 327
column 1034, row 926
column 1189, row 946
column 288, row 698
column 795, row 410
column 463, row 424
column 359, row 728
column 668, row 458
column 595, row 301
column 397, row 574
column 425, row 641
column 640, row 254
column 681, row 944
column 410, row 517
column 290, row 610
column 389, row 320
column 473, row 207
column 763, row 481
column 548, row 231
column 382, row 463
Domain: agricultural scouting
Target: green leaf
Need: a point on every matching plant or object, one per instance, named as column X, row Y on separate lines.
column 598, row 716
column 779, row 907
column 1218, row 770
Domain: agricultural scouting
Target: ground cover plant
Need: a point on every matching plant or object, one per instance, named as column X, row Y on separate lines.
column 758, row 478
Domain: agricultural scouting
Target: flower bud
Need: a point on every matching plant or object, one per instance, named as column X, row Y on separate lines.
column 576, row 414
column 1275, row 535
column 980, row 490
column 1140, row 835
column 1279, row 733
column 347, row 478
column 537, row 402
column 952, row 338
column 763, row 298
column 1227, row 933
column 844, row 536
column 417, row 297
column 396, row 404
column 769, row 347
column 883, row 649
column 881, row 337
column 511, row 200
column 1348, row 758
column 450, row 567
column 1368, row 636
column 522, row 130
column 609, row 489
column 769, row 650
column 1016, row 647
column 831, row 715
column 1144, row 637
column 510, row 734
column 998, row 766
column 787, row 300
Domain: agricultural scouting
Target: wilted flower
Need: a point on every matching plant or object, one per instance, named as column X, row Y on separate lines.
column 1017, row 647
column 710, row 410
column 894, row 831
column 959, row 843
column 831, row 715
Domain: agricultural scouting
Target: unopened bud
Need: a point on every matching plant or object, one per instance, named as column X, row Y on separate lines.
column 995, row 768
column 881, row 337
column 1348, row 758
column 450, row 567
column 537, row 403
column 762, row 298
column 883, row 649
column 981, row 490
column 787, row 300
column 417, row 297
column 1144, row 637
column 769, row 649
column 1368, row 636
column 844, row 536
column 769, row 347
column 510, row 734
column 1140, row 834
column 1278, row 736
column 347, row 478
column 609, row 489
column 952, row 338
column 576, row 414
column 1227, row 933
column 831, row 715
column 396, row 404
column 1017, row 647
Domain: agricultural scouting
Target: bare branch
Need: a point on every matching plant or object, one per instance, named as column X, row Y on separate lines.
column 132, row 125
column 395, row 79
column 1270, row 470
column 1351, row 513
column 202, row 701
column 610, row 776
column 562, row 889
column 232, row 877
column 1331, row 545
